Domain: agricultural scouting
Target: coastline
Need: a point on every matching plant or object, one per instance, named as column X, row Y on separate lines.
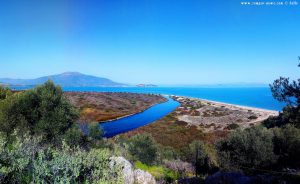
column 229, row 104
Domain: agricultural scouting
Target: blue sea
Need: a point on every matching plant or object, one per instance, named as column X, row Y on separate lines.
column 260, row 97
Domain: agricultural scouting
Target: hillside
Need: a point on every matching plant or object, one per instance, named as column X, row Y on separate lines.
column 67, row 79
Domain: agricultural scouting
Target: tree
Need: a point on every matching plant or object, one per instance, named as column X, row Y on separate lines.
column 203, row 157
column 251, row 148
column 144, row 148
column 287, row 146
column 4, row 92
column 95, row 131
column 42, row 111
column 288, row 92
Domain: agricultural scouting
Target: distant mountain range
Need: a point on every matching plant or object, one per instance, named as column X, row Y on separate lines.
column 67, row 79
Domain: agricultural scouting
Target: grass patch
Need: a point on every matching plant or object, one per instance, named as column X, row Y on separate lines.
column 159, row 172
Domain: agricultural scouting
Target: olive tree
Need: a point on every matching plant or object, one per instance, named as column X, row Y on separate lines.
column 251, row 148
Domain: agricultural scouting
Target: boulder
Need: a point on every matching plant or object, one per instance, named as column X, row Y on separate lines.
column 125, row 166
column 131, row 176
column 143, row 177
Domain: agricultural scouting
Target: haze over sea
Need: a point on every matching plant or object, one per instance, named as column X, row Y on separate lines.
column 259, row 97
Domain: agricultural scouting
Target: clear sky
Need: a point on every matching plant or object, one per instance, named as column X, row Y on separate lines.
column 150, row 41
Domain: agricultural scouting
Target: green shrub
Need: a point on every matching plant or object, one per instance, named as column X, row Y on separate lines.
column 4, row 92
column 287, row 146
column 159, row 172
column 252, row 117
column 232, row 126
column 251, row 148
column 25, row 160
column 144, row 148
column 203, row 156
column 41, row 111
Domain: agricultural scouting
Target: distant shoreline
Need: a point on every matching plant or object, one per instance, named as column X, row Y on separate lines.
column 227, row 104
column 264, row 112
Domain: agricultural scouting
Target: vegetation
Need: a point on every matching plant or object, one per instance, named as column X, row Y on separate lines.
column 203, row 156
column 41, row 142
column 232, row 126
column 288, row 92
column 159, row 172
column 287, row 146
column 26, row 160
column 36, row 128
column 251, row 148
column 40, row 111
column 143, row 148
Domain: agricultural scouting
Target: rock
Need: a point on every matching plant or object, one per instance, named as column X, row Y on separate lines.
column 143, row 177
column 131, row 176
column 126, row 166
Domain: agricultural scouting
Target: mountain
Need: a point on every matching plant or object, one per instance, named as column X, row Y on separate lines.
column 67, row 79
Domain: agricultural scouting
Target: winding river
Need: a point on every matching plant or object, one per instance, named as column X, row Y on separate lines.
column 115, row 127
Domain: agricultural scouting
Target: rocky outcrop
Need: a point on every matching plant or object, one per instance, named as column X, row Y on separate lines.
column 143, row 177
column 126, row 168
column 131, row 176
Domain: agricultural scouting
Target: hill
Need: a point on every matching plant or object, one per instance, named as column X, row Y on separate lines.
column 67, row 79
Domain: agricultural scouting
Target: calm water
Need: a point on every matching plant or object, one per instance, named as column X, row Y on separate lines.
column 112, row 128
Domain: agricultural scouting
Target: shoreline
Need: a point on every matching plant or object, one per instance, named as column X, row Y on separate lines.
column 229, row 104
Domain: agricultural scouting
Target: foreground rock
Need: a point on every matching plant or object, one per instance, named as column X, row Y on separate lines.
column 131, row 176
column 143, row 177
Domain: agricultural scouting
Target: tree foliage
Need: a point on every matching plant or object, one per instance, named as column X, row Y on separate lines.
column 26, row 160
column 286, row 91
column 203, row 156
column 287, row 146
column 42, row 111
column 248, row 149
column 144, row 148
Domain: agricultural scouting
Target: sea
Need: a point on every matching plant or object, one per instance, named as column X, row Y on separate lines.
column 259, row 97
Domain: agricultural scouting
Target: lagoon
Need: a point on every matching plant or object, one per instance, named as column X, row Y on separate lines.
column 115, row 127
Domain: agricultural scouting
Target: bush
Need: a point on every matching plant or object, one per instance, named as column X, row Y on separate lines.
column 25, row 160
column 287, row 146
column 144, row 148
column 232, row 126
column 183, row 169
column 252, row 117
column 251, row 148
column 42, row 111
column 159, row 172
column 4, row 92
column 203, row 156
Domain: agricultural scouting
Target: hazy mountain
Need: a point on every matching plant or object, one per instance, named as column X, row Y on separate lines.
column 71, row 79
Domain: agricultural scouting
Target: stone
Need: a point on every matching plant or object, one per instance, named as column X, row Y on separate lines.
column 143, row 177
column 126, row 167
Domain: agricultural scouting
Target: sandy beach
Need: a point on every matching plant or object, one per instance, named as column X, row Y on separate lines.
column 210, row 115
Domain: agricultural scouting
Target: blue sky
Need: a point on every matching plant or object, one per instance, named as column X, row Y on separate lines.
column 150, row 41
